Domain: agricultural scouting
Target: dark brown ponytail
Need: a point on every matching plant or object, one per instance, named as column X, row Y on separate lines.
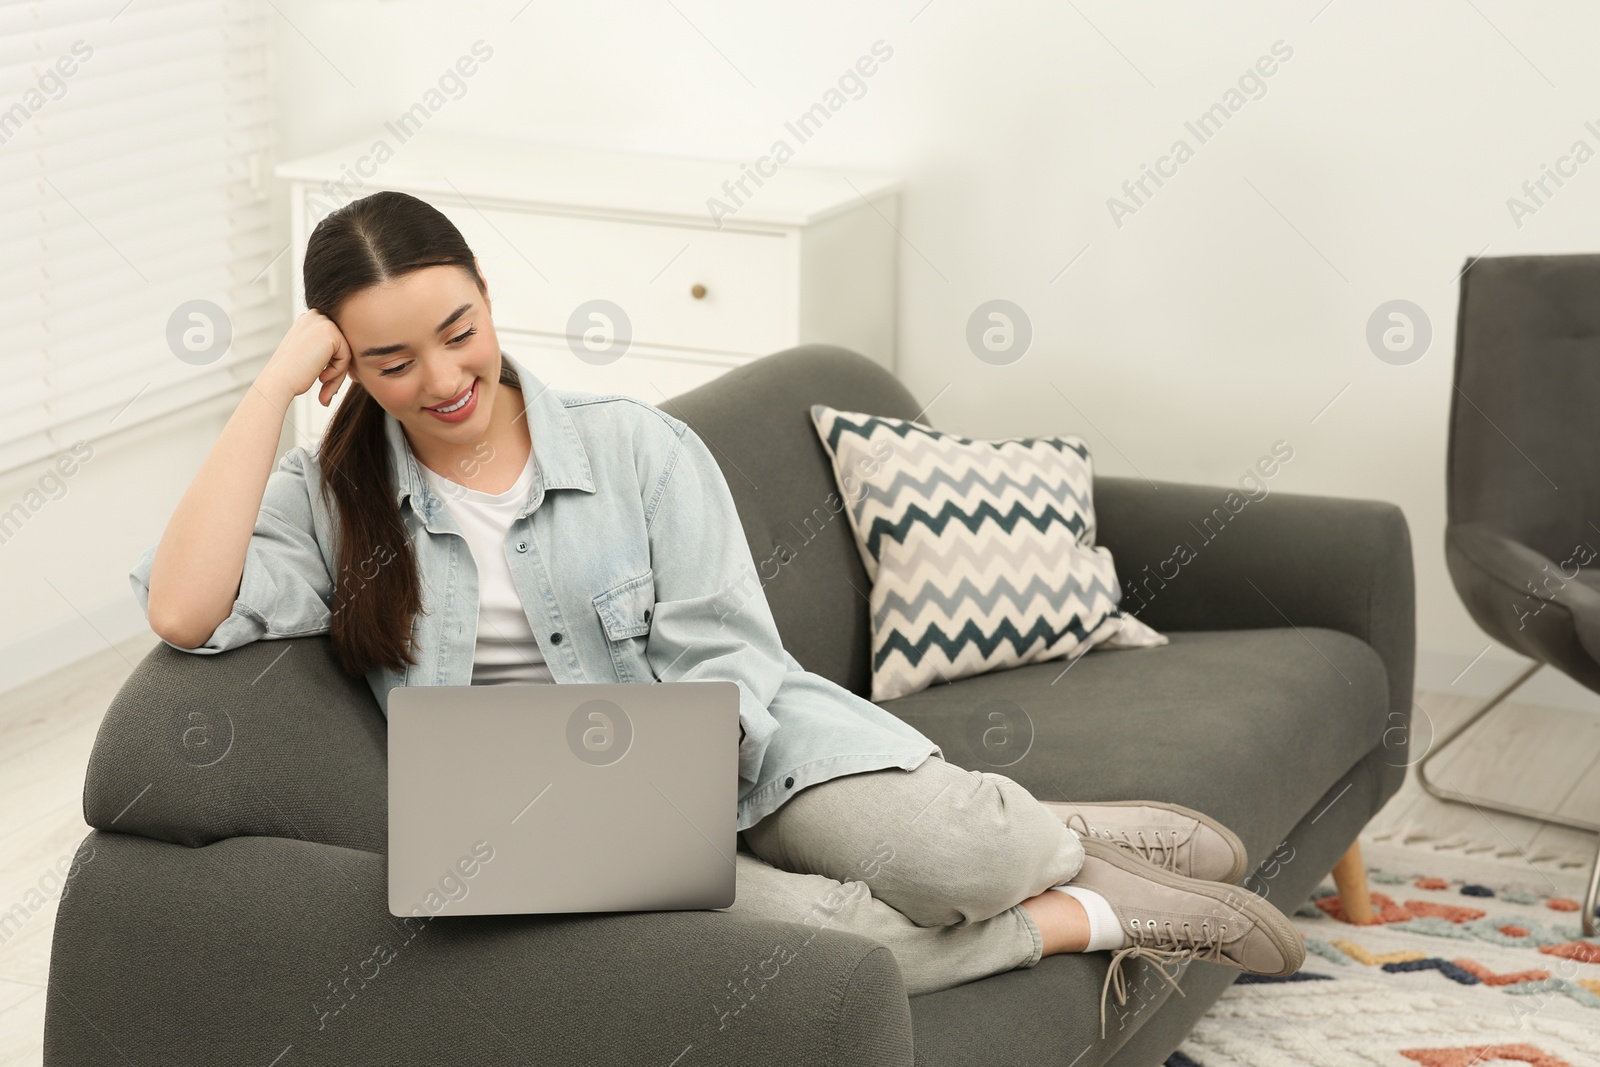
column 377, row 591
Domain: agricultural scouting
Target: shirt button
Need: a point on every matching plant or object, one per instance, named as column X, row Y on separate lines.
column 788, row 783
column 555, row 638
column 647, row 615
column 522, row 546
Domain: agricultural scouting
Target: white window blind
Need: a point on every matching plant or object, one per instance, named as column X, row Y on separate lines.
column 134, row 141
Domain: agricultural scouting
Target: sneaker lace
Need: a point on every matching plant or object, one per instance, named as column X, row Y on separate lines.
column 1144, row 849
column 1159, row 943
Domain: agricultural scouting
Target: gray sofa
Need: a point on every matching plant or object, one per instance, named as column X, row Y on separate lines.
column 233, row 912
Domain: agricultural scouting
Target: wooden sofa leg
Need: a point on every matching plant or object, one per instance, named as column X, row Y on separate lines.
column 1350, row 876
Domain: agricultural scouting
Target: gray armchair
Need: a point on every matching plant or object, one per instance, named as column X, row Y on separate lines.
column 234, row 907
column 1522, row 481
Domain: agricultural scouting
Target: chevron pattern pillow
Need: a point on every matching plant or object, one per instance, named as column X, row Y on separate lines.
column 981, row 553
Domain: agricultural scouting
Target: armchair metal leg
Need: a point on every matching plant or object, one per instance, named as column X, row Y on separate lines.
column 1592, row 896
column 1442, row 743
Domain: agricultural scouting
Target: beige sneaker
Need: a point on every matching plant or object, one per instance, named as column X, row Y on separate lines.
column 1167, row 917
column 1180, row 839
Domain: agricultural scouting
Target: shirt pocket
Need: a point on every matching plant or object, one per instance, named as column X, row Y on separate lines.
column 625, row 611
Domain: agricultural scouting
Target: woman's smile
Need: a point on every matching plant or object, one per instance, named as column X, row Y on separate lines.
column 459, row 408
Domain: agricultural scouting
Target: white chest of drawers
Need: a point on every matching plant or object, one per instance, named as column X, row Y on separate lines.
column 633, row 273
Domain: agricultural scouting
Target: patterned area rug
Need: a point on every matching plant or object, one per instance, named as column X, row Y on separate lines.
column 1470, row 964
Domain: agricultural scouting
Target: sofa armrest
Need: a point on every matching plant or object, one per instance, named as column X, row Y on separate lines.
column 271, row 739
column 1194, row 557
column 261, row 945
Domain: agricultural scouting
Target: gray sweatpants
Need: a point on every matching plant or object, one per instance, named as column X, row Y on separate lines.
column 930, row 863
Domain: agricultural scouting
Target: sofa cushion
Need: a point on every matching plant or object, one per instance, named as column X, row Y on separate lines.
column 981, row 554
column 1249, row 726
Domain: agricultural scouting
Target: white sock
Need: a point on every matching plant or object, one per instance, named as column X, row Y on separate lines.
column 1105, row 932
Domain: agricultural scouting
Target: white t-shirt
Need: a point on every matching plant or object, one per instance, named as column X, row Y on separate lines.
column 506, row 650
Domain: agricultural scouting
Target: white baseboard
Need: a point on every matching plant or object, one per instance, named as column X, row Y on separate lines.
column 1451, row 672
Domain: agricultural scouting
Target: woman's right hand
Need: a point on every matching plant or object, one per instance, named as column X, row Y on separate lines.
column 314, row 350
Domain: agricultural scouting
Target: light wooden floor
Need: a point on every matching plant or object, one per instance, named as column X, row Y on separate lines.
column 47, row 729
column 1537, row 757
column 1543, row 757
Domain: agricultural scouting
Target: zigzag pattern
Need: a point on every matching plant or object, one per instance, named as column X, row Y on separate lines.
column 981, row 553
column 866, row 424
column 1071, row 503
column 1027, row 551
column 914, row 520
column 990, row 600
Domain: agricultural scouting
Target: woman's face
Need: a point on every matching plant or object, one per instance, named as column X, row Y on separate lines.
column 423, row 341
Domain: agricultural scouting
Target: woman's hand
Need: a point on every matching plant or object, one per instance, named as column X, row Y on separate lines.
column 314, row 350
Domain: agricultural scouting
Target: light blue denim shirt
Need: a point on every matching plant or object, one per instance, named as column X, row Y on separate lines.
column 631, row 565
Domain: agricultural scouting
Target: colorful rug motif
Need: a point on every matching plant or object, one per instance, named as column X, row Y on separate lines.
column 1455, row 972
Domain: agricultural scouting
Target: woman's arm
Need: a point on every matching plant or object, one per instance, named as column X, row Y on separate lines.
column 711, row 620
column 197, row 571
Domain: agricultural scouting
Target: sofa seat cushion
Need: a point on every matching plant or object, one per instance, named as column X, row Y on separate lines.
column 1248, row 726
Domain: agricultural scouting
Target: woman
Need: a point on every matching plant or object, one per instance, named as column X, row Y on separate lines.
column 594, row 539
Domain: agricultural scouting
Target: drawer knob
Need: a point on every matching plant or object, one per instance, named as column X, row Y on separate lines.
column 698, row 292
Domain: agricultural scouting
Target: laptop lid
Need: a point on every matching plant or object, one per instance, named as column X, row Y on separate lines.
column 582, row 797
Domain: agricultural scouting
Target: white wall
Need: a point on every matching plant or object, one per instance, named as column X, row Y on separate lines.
column 1220, row 317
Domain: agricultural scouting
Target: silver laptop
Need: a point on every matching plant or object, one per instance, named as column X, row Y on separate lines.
column 537, row 799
